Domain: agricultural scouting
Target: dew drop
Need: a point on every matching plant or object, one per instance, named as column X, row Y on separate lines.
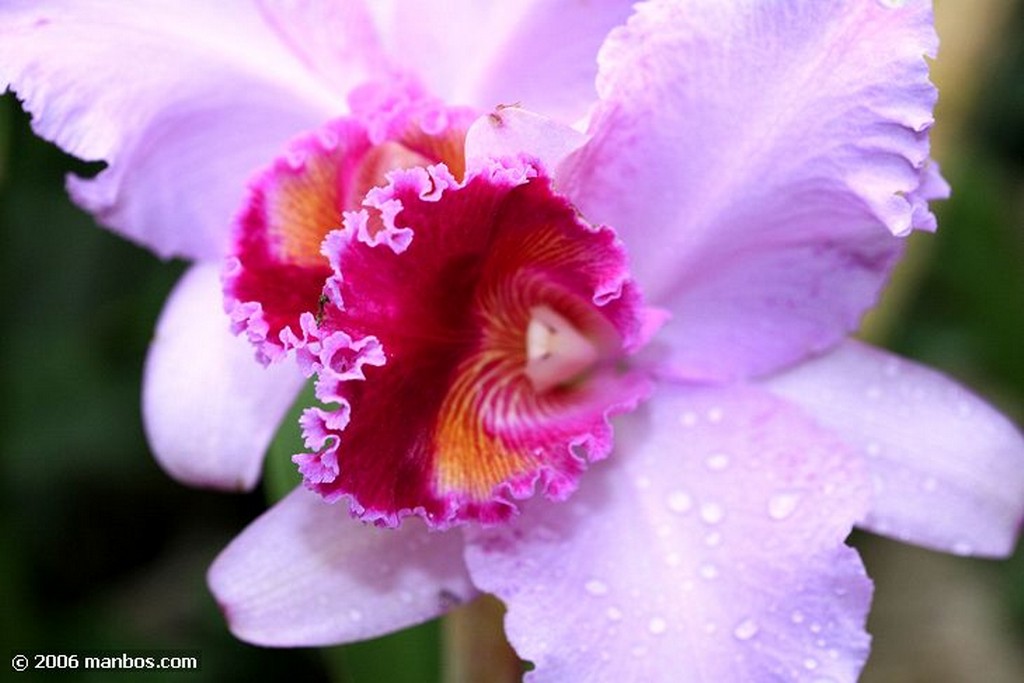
column 613, row 613
column 715, row 415
column 746, row 629
column 642, row 482
column 708, row 571
column 673, row 559
column 680, row 502
column 713, row 540
column 688, row 419
column 717, row 462
column 782, row 505
column 712, row 513
column 596, row 587
column 962, row 548
column 797, row 617
column 355, row 615
column 657, row 626
column 810, row 664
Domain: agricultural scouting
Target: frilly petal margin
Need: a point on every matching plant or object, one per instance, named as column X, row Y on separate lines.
column 708, row 548
column 209, row 410
column 948, row 469
column 181, row 100
column 306, row 574
column 781, row 131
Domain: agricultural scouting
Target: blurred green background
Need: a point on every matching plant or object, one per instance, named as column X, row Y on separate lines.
column 100, row 550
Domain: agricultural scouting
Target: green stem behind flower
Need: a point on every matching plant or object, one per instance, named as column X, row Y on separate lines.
column 475, row 648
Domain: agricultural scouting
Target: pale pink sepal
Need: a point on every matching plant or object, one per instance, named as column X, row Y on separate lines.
column 708, row 548
column 948, row 469
column 757, row 158
column 538, row 53
column 210, row 410
column 306, row 573
column 182, row 100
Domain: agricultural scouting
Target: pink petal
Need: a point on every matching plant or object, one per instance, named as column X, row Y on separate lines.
column 306, row 574
column 759, row 155
column 948, row 469
column 182, row 100
column 709, row 548
column 510, row 131
column 210, row 410
column 538, row 53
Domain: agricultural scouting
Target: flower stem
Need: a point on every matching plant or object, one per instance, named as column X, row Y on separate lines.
column 474, row 645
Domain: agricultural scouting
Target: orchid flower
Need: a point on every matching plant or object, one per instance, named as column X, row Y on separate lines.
column 591, row 356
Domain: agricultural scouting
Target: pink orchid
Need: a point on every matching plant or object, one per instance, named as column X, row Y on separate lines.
column 483, row 297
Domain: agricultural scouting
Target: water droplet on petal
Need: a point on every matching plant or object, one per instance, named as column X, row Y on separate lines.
column 715, row 414
column 717, row 462
column 810, row 664
column 673, row 559
column 963, row 548
column 613, row 613
column 355, row 615
column 746, row 629
column 657, row 626
column 642, row 482
column 782, row 505
column 688, row 419
column 713, row 539
column 708, row 571
column 712, row 513
column 596, row 587
column 797, row 617
column 679, row 501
